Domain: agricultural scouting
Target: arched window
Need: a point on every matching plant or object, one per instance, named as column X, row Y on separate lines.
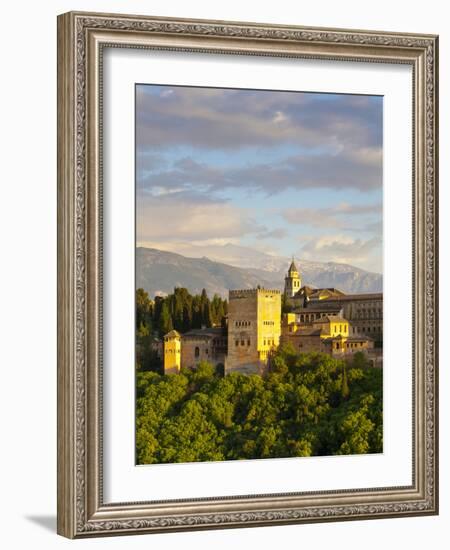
column 197, row 351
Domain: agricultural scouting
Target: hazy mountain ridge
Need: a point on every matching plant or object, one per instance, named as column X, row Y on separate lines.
column 158, row 272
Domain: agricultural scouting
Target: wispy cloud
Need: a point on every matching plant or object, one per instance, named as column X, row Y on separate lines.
column 168, row 218
column 341, row 216
column 355, row 169
column 215, row 165
column 225, row 118
column 344, row 249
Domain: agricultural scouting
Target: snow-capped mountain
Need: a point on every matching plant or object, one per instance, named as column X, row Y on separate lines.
column 232, row 267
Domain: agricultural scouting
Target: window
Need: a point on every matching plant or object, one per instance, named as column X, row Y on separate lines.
column 197, row 351
column 248, row 342
column 237, row 343
column 242, row 343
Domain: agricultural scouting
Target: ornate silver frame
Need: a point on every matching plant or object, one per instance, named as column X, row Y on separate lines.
column 81, row 510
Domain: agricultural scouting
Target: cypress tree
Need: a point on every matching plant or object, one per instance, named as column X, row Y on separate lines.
column 345, row 391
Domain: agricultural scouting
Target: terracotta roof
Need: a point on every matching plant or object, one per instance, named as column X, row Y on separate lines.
column 306, row 332
column 211, row 332
column 359, row 338
column 172, row 334
column 350, row 297
column 333, row 318
column 323, row 307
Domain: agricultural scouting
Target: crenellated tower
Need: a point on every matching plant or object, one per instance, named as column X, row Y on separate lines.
column 254, row 329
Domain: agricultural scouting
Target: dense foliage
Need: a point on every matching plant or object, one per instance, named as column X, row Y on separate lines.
column 307, row 405
column 181, row 311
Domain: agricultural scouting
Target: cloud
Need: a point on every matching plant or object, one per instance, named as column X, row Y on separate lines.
column 359, row 169
column 344, row 249
column 278, row 233
column 348, row 169
column 232, row 118
column 323, row 140
column 336, row 217
column 182, row 218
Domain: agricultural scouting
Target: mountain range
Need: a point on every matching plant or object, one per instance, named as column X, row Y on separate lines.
column 159, row 272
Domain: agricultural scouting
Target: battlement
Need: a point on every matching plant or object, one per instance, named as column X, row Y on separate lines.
column 245, row 293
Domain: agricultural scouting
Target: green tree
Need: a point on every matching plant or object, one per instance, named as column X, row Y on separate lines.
column 345, row 392
column 298, row 409
column 359, row 360
column 356, row 429
column 144, row 309
column 165, row 320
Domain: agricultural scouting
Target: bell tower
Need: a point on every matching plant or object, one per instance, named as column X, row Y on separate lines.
column 292, row 281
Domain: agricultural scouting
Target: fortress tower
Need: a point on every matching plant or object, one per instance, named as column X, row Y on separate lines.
column 292, row 281
column 254, row 329
column 172, row 352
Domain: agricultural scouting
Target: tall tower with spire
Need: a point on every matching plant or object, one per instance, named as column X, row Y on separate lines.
column 292, row 281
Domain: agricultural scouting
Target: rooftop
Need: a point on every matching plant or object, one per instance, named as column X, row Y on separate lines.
column 172, row 334
column 331, row 318
column 322, row 308
column 306, row 332
column 292, row 267
column 211, row 332
column 350, row 297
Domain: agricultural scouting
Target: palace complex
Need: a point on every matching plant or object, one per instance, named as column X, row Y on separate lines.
column 314, row 319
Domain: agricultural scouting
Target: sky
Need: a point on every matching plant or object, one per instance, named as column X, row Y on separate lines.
column 286, row 173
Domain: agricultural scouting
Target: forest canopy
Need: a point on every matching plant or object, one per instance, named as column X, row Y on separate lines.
column 307, row 405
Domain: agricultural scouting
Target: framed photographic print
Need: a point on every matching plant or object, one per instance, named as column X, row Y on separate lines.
column 247, row 284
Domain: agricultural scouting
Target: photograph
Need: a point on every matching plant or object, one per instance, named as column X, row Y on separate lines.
column 258, row 274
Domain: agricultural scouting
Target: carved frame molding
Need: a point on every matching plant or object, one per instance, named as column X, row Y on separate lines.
column 81, row 38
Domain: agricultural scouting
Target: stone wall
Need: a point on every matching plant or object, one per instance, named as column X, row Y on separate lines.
column 254, row 327
column 200, row 348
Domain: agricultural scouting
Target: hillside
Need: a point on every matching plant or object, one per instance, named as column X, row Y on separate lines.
column 158, row 272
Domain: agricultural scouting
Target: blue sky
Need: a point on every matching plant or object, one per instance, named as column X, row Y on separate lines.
column 286, row 173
